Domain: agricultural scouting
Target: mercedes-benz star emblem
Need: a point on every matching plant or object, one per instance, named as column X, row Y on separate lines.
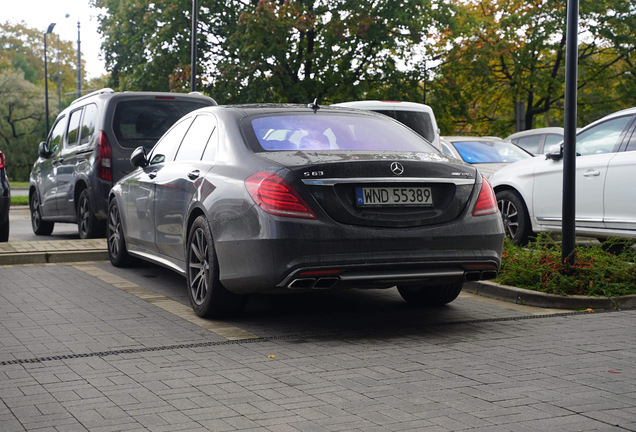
column 397, row 168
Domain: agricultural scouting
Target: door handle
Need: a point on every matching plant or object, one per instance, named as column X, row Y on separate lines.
column 152, row 174
column 193, row 175
column 592, row 173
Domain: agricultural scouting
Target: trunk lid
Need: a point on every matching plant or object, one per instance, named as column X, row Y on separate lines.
column 382, row 189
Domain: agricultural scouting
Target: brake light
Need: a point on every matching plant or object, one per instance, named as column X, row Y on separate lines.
column 274, row 195
column 486, row 202
column 1, row 160
column 104, row 164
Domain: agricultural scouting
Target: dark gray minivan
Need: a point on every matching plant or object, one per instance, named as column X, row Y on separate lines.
column 88, row 149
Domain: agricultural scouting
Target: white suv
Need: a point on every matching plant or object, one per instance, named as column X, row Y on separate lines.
column 418, row 117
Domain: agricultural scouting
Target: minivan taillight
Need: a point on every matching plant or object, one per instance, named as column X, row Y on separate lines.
column 274, row 195
column 104, row 161
column 486, row 202
column 1, row 160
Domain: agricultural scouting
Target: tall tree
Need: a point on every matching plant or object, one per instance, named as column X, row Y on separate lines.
column 21, row 128
column 22, row 48
column 266, row 50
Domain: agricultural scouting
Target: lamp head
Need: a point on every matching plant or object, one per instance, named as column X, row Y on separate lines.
column 50, row 29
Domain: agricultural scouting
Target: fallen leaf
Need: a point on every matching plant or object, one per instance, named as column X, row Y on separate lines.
column 589, row 310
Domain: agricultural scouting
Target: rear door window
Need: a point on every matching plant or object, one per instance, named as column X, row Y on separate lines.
column 141, row 122
column 166, row 149
column 196, row 139
column 419, row 121
column 89, row 123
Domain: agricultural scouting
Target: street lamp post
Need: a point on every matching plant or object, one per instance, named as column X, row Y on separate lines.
column 193, row 47
column 46, row 79
column 79, row 62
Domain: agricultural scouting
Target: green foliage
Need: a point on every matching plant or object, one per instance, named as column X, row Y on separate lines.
column 19, row 200
column 21, row 128
column 595, row 271
column 267, row 51
column 496, row 53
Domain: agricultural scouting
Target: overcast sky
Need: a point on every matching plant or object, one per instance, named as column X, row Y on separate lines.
column 38, row 14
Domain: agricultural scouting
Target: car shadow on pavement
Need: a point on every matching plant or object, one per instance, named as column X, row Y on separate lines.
column 355, row 312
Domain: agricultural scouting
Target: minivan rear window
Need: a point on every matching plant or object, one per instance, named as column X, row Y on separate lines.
column 333, row 132
column 419, row 121
column 141, row 122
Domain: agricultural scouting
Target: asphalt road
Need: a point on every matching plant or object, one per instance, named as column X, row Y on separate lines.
column 20, row 228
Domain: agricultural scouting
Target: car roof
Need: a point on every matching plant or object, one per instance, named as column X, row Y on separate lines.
column 108, row 93
column 546, row 130
column 383, row 105
column 472, row 138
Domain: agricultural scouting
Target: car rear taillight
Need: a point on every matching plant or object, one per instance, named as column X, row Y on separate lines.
column 104, row 161
column 276, row 196
column 1, row 160
column 486, row 202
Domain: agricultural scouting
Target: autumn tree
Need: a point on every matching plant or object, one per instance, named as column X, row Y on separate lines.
column 22, row 48
column 496, row 55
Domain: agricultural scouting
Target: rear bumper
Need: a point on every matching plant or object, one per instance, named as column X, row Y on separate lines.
column 294, row 254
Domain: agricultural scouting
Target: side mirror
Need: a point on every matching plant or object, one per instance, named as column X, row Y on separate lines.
column 555, row 152
column 43, row 150
column 138, row 157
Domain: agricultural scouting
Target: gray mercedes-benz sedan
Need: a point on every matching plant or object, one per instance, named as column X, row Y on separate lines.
column 268, row 198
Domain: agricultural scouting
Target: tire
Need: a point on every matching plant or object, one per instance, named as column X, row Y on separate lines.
column 39, row 226
column 430, row 295
column 4, row 231
column 515, row 217
column 88, row 226
column 116, row 242
column 208, row 297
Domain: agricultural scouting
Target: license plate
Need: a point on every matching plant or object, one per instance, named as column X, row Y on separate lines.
column 393, row 196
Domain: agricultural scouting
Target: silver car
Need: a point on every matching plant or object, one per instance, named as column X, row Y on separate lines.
column 529, row 193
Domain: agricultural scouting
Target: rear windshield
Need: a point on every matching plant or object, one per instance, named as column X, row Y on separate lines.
column 333, row 132
column 419, row 121
column 141, row 122
column 473, row 151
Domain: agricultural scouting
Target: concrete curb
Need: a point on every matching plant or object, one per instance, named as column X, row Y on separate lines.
column 526, row 297
column 52, row 257
column 43, row 252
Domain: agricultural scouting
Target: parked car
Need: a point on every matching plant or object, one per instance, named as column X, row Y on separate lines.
column 417, row 116
column 537, row 141
column 88, row 149
column 5, row 201
column 489, row 154
column 529, row 192
column 266, row 198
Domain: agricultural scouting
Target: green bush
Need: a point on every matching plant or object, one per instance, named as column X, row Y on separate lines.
column 605, row 269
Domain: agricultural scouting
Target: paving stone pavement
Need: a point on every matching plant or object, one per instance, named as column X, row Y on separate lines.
column 82, row 350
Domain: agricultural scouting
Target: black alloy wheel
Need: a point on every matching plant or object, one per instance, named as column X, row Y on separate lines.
column 39, row 226
column 514, row 216
column 430, row 295
column 88, row 226
column 117, row 252
column 208, row 297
